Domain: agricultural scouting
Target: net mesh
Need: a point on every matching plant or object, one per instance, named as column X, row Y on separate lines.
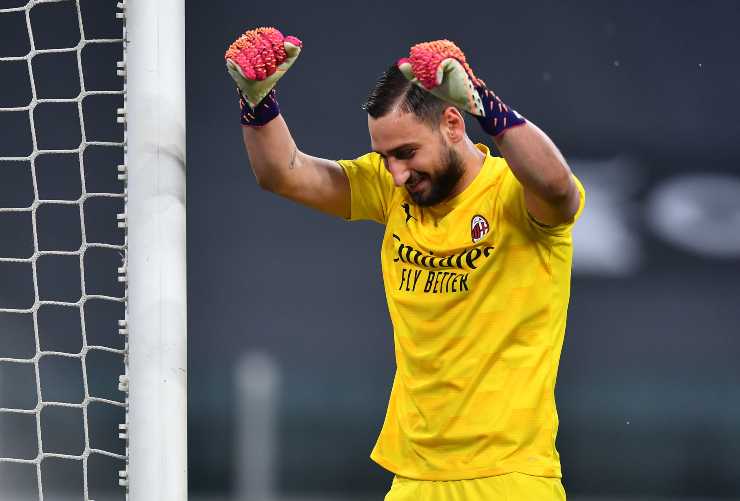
column 47, row 398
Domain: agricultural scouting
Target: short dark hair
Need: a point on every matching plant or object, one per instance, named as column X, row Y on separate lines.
column 393, row 87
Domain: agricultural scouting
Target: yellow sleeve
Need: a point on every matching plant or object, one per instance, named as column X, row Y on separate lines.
column 371, row 188
column 515, row 208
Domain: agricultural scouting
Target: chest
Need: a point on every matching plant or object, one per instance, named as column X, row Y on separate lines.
column 438, row 254
column 469, row 226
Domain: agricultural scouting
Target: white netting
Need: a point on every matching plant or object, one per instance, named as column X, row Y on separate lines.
column 42, row 456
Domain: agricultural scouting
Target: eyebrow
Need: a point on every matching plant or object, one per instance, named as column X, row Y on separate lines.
column 398, row 149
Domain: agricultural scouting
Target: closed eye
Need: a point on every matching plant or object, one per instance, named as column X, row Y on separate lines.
column 405, row 154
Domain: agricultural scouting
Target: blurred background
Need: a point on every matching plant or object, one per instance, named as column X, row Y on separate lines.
column 290, row 343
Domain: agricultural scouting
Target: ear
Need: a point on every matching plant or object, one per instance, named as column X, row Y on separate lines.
column 453, row 124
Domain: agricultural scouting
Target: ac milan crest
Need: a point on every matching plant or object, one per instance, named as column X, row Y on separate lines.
column 478, row 228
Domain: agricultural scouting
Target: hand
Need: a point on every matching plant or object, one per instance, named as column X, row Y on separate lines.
column 256, row 61
column 440, row 67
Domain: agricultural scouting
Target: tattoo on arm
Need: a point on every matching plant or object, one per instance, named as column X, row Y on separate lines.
column 291, row 165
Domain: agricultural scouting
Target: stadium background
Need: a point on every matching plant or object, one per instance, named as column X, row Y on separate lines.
column 640, row 97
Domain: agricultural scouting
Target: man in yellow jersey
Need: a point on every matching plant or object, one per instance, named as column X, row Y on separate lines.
column 476, row 261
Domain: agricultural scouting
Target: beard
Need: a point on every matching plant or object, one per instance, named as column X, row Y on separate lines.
column 441, row 183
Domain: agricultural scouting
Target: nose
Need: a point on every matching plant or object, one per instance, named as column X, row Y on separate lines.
column 398, row 171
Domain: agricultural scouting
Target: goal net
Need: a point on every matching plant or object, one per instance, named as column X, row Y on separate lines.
column 92, row 251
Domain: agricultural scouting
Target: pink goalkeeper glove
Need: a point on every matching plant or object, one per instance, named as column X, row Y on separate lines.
column 440, row 68
column 256, row 61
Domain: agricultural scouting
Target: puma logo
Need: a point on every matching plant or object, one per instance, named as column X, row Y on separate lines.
column 407, row 209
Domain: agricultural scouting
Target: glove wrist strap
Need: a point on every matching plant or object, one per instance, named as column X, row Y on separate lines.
column 260, row 115
column 498, row 116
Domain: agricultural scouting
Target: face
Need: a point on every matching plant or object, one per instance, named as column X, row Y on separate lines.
column 417, row 156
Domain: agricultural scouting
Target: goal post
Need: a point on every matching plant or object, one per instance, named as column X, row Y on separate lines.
column 157, row 300
column 60, row 294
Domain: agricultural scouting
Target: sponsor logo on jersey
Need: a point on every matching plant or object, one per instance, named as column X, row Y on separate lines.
column 443, row 273
column 478, row 228
column 465, row 260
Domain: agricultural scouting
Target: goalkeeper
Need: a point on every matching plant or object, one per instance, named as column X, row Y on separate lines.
column 476, row 262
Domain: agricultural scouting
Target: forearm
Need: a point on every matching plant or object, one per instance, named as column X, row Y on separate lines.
column 272, row 152
column 536, row 162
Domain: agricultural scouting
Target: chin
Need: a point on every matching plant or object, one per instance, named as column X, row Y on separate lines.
column 421, row 198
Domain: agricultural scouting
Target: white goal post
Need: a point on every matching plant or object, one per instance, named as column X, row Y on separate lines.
column 33, row 460
column 157, row 320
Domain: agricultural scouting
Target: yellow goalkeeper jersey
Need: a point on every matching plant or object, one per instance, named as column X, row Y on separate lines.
column 478, row 294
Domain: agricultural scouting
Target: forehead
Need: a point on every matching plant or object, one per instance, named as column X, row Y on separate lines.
column 395, row 129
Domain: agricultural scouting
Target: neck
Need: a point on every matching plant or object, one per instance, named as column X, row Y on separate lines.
column 472, row 161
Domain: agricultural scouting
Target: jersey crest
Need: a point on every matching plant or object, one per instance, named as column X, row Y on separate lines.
column 478, row 228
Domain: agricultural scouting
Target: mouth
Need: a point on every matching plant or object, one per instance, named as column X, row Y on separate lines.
column 416, row 185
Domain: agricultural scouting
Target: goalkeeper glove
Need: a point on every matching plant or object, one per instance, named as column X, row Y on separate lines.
column 440, row 67
column 256, row 61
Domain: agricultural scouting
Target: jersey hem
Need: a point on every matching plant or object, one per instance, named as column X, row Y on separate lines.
column 467, row 474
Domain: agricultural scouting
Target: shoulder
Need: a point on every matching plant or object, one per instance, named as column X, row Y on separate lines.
column 370, row 160
column 368, row 169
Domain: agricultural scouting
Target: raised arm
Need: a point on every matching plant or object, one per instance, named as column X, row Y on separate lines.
column 256, row 61
column 550, row 192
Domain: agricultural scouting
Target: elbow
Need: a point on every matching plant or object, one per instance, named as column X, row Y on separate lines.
column 265, row 183
column 268, row 178
column 558, row 189
column 564, row 198
column 274, row 185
